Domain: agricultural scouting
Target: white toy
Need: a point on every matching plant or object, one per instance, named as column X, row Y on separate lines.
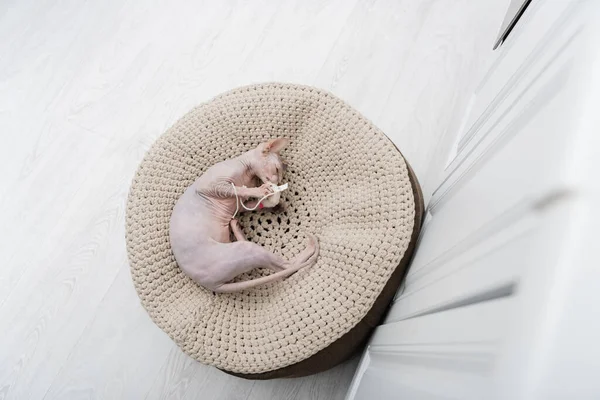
column 273, row 199
column 270, row 200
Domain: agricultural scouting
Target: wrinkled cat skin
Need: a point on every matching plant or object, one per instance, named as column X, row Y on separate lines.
column 202, row 218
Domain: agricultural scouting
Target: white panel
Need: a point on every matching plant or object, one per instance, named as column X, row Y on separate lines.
column 527, row 43
column 484, row 312
column 508, row 171
column 489, row 269
column 455, row 349
column 533, row 74
column 529, row 329
column 518, row 156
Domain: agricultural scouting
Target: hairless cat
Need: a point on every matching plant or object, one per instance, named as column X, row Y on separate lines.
column 201, row 219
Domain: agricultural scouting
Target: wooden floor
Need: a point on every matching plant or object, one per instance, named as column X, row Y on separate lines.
column 87, row 86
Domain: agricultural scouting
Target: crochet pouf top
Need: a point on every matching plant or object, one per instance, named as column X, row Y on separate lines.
column 348, row 185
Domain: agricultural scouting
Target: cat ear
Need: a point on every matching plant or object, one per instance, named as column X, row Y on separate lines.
column 275, row 145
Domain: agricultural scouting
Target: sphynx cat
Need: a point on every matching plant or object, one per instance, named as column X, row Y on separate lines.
column 200, row 224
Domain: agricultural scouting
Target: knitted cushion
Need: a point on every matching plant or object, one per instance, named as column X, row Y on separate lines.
column 349, row 185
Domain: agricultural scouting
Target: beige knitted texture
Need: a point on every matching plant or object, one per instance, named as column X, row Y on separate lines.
column 348, row 185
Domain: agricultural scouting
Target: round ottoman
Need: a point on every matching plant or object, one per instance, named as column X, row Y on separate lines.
column 349, row 185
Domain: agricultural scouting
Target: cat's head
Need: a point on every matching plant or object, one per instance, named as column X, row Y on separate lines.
column 270, row 167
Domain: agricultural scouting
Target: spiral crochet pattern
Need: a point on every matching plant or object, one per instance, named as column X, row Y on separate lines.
column 348, row 185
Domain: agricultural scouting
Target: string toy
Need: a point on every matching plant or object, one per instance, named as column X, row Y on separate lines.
column 276, row 191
